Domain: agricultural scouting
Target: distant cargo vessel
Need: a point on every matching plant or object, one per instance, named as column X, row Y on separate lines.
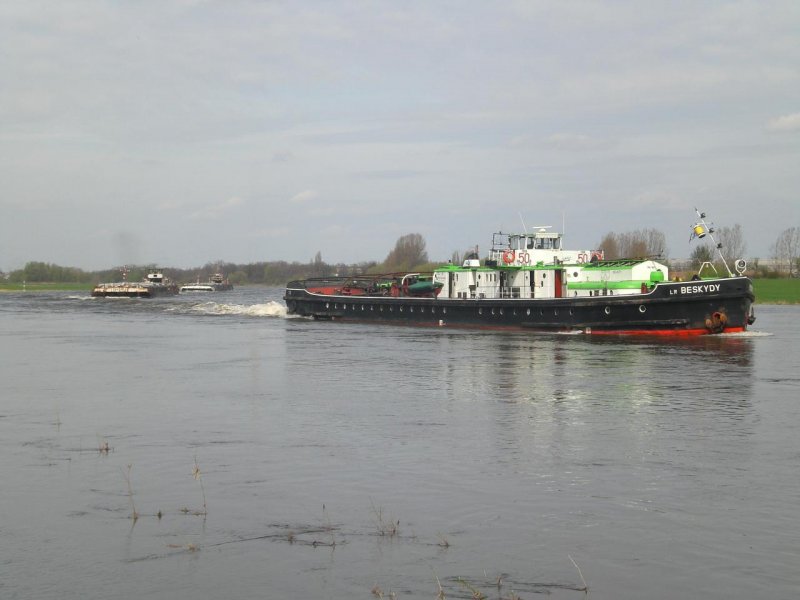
column 217, row 283
column 529, row 282
column 155, row 284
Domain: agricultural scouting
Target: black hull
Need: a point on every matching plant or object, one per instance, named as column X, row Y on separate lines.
column 676, row 308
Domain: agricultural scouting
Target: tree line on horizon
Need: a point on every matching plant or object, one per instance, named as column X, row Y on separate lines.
column 409, row 253
column 651, row 243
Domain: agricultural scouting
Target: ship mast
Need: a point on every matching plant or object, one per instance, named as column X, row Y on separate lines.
column 700, row 229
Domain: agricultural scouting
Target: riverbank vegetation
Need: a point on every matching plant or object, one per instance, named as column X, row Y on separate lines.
column 409, row 254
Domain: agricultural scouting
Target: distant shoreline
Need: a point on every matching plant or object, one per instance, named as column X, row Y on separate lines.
column 768, row 291
column 46, row 287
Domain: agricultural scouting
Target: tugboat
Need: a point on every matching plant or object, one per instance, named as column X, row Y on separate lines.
column 155, row 284
column 530, row 283
column 217, row 283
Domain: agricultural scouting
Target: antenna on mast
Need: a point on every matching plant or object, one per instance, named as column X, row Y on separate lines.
column 524, row 229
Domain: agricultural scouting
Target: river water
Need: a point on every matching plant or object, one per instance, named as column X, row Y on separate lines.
column 275, row 457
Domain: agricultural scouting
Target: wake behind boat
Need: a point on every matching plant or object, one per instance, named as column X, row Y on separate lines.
column 529, row 282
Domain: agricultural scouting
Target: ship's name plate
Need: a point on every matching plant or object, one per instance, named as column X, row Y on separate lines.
column 698, row 289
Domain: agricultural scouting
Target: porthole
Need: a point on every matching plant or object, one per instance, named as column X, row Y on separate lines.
column 492, row 311
column 444, row 310
column 401, row 308
column 528, row 311
column 380, row 308
column 421, row 309
column 327, row 305
column 480, row 311
column 571, row 312
column 642, row 308
column 335, row 305
column 344, row 306
column 541, row 313
column 411, row 309
column 433, row 309
column 391, row 309
column 362, row 307
column 555, row 311
column 372, row 307
column 501, row 311
column 607, row 310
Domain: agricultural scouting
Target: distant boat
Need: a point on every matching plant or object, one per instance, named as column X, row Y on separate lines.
column 197, row 287
column 155, row 284
column 217, row 283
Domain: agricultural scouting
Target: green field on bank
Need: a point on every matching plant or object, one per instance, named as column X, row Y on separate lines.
column 777, row 291
column 768, row 291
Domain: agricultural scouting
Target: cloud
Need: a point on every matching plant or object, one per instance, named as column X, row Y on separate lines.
column 303, row 197
column 572, row 141
column 335, row 230
column 282, row 157
column 215, row 211
column 785, row 123
column 658, row 199
column 271, row 232
column 131, row 112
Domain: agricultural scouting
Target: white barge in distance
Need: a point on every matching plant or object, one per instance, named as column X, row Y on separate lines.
column 217, row 283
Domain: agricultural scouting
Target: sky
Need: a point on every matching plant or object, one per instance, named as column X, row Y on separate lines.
column 184, row 132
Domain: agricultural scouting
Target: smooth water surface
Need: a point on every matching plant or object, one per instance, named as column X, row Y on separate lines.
column 273, row 457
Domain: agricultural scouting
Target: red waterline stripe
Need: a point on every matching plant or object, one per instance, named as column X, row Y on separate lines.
column 665, row 332
column 653, row 332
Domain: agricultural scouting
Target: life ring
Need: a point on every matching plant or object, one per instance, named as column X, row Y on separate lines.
column 508, row 257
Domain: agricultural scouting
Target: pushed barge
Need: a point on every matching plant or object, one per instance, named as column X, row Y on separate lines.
column 530, row 283
column 155, row 284
column 217, row 283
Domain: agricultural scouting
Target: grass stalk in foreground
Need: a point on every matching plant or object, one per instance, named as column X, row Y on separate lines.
column 585, row 589
column 127, row 476
column 388, row 528
column 198, row 477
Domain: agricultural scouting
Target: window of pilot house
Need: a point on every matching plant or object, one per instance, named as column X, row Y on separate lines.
column 530, row 243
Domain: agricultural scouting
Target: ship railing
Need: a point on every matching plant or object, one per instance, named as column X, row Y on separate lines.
column 512, row 292
column 494, row 292
column 487, row 291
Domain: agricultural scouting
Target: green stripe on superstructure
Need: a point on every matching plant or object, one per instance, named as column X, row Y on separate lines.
column 606, row 285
